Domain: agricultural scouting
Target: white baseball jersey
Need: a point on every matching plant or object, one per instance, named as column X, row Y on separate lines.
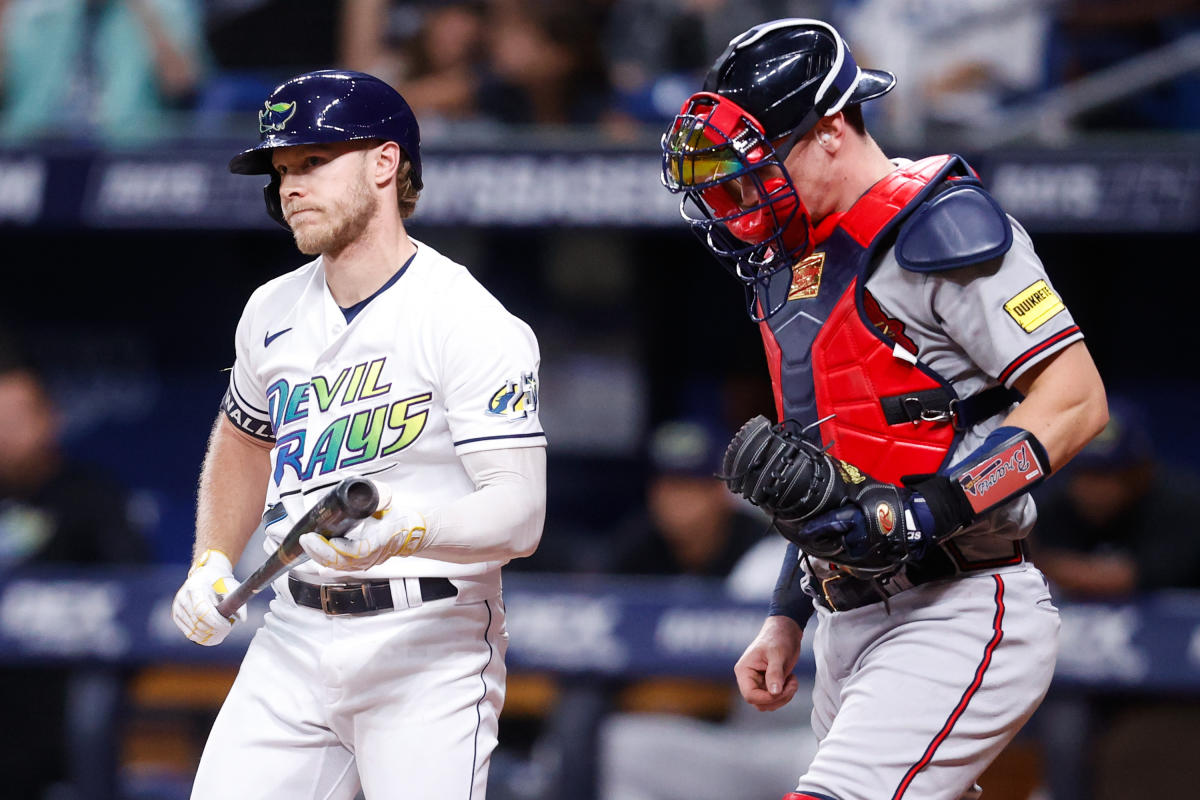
column 431, row 367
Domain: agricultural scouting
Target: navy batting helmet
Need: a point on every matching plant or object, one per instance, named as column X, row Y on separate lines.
column 769, row 88
column 328, row 106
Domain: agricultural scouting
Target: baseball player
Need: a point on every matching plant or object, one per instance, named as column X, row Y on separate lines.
column 380, row 665
column 926, row 376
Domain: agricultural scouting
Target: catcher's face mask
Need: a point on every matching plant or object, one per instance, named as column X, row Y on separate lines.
column 737, row 195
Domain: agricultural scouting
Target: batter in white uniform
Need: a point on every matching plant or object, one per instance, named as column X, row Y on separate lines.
column 912, row 333
column 380, row 665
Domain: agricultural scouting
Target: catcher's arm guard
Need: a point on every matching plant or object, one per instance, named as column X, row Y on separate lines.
column 1009, row 463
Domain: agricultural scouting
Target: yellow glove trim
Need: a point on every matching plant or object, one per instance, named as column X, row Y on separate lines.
column 205, row 556
column 414, row 539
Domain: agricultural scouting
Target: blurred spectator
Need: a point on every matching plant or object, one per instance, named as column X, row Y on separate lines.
column 955, row 61
column 658, row 50
column 691, row 524
column 434, row 54
column 109, row 68
column 52, row 511
column 545, row 66
column 1116, row 521
column 508, row 61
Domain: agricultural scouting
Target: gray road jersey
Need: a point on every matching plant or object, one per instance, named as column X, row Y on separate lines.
column 978, row 326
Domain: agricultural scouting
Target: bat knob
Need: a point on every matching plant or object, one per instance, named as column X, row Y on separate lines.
column 359, row 497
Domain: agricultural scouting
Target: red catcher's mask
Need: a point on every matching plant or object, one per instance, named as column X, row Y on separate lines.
column 737, row 195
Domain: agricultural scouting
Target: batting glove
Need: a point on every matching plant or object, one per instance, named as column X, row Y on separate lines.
column 384, row 534
column 195, row 608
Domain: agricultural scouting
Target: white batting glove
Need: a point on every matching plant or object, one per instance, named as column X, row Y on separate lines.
column 195, row 608
column 386, row 533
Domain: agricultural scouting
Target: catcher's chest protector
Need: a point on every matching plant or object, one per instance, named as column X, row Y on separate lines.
column 850, row 368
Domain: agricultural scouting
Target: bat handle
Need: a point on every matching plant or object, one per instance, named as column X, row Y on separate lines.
column 231, row 602
column 353, row 499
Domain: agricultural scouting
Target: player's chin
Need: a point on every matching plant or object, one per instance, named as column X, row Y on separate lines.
column 310, row 239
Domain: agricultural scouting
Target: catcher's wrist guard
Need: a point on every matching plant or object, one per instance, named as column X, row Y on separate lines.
column 1010, row 462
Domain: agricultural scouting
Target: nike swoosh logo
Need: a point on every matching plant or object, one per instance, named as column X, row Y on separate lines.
column 270, row 337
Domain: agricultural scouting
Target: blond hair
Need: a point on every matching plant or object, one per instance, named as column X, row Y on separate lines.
column 406, row 193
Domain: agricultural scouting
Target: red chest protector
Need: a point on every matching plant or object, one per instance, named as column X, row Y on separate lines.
column 883, row 410
column 853, row 369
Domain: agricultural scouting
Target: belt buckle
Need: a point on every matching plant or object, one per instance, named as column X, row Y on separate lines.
column 325, row 599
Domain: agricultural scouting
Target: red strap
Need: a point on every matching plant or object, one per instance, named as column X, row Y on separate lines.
column 893, row 192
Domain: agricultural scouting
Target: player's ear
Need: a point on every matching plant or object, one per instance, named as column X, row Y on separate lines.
column 387, row 160
column 829, row 132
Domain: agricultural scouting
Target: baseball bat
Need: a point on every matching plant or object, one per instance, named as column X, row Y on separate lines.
column 351, row 500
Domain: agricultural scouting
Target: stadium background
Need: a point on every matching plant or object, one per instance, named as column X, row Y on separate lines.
column 131, row 251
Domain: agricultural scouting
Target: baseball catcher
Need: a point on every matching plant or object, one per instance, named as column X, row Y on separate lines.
column 926, row 376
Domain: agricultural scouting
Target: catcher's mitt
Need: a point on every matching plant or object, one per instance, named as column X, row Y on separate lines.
column 827, row 507
column 786, row 474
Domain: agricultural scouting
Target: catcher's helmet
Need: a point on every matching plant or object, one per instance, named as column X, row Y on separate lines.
column 328, row 106
column 769, row 88
column 791, row 72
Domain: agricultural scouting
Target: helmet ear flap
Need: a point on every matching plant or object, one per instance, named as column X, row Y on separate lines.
column 274, row 204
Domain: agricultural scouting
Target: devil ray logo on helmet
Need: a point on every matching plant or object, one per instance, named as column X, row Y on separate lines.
column 275, row 116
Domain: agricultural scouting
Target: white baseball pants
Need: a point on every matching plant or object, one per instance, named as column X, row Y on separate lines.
column 402, row 704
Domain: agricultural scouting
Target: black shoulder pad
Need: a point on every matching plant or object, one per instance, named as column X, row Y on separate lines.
column 962, row 225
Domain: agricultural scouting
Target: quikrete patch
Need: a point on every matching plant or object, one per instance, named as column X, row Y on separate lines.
column 1033, row 306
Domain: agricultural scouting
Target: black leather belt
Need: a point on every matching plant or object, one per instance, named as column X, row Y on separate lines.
column 362, row 597
column 844, row 592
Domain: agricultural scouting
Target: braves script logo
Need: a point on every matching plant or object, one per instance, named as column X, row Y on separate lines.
column 983, row 479
column 275, row 116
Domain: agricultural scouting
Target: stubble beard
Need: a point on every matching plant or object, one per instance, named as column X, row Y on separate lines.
column 346, row 220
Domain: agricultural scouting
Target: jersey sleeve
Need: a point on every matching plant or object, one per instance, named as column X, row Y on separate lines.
column 490, row 363
column 245, row 402
column 1005, row 314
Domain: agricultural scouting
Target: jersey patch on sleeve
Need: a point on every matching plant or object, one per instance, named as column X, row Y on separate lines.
column 1034, row 306
column 245, row 421
column 515, row 399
